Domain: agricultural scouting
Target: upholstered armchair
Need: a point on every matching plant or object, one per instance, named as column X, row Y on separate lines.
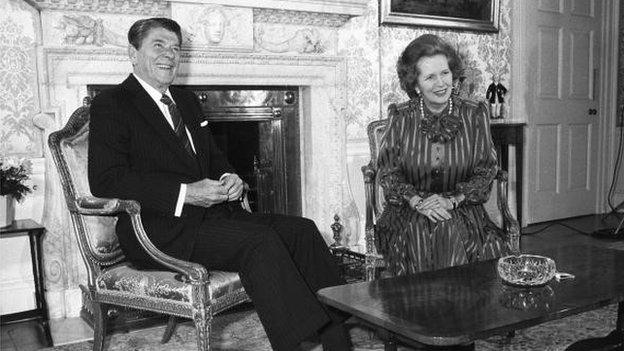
column 184, row 289
column 496, row 207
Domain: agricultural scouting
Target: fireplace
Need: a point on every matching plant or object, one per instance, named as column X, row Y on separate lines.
column 317, row 185
column 258, row 130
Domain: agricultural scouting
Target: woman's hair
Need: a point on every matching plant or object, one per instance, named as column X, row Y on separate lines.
column 141, row 28
column 425, row 45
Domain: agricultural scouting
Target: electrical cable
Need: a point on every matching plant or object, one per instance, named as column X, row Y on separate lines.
column 575, row 229
column 539, row 230
column 552, row 224
column 616, row 169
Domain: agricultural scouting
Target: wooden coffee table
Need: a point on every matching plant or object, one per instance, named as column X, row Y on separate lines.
column 459, row 305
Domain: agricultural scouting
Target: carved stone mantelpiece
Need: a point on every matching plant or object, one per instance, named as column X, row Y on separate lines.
column 144, row 7
column 345, row 7
column 324, row 12
column 323, row 86
column 300, row 18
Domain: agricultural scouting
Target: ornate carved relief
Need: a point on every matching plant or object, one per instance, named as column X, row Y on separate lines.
column 145, row 8
column 302, row 41
column 301, row 18
column 214, row 27
column 278, row 63
column 86, row 30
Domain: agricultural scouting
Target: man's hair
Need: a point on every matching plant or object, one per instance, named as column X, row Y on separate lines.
column 426, row 45
column 141, row 28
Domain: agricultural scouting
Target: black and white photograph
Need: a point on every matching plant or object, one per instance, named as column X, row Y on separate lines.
column 311, row 175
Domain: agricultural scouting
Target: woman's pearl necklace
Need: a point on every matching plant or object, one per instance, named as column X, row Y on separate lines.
column 422, row 108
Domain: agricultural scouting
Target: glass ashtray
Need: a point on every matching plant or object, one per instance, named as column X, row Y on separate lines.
column 526, row 270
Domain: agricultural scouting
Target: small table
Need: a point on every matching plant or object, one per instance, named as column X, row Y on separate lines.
column 35, row 233
column 503, row 135
column 458, row 305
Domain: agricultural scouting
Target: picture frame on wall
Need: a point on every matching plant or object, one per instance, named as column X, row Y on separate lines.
column 473, row 15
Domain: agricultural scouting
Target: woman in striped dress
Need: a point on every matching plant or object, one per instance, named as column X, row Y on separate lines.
column 436, row 166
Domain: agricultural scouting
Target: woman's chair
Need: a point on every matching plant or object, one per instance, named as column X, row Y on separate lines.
column 497, row 208
column 186, row 289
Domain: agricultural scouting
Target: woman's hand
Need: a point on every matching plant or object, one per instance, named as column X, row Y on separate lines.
column 437, row 201
column 435, row 207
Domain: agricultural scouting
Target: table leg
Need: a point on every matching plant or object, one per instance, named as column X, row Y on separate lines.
column 620, row 317
column 42, row 306
column 619, row 325
column 519, row 164
column 503, row 156
column 388, row 339
column 390, row 345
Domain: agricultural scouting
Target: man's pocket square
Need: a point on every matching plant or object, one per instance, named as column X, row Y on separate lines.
column 203, row 123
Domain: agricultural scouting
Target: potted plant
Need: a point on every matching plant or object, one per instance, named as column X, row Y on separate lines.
column 14, row 172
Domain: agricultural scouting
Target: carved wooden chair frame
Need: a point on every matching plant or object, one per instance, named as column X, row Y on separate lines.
column 205, row 292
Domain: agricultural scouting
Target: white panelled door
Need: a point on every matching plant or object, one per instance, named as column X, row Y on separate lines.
column 564, row 37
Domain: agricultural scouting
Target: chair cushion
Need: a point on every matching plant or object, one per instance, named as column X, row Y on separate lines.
column 163, row 284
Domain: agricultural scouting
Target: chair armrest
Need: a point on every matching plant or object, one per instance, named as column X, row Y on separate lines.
column 94, row 206
column 97, row 206
column 369, row 173
column 510, row 224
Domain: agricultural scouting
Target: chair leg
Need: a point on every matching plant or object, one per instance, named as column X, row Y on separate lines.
column 99, row 325
column 171, row 326
column 203, row 322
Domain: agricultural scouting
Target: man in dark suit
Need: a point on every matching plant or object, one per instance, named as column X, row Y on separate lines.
column 148, row 142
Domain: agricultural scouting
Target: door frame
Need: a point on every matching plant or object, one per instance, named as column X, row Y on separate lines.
column 522, row 91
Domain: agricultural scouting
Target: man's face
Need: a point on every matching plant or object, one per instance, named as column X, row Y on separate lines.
column 157, row 59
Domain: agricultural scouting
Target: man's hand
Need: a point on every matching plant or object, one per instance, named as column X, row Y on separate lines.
column 205, row 193
column 234, row 186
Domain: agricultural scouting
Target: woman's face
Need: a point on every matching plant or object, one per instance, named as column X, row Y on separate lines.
column 435, row 81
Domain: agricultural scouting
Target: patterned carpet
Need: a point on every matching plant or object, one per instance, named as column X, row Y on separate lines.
column 242, row 331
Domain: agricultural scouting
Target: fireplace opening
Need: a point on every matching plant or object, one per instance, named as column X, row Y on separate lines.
column 240, row 141
column 257, row 127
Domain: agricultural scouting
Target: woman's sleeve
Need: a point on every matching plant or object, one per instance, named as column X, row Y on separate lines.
column 477, row 188
column 389, row 161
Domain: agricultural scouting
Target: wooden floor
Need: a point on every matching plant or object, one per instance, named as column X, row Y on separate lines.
column 27, row 336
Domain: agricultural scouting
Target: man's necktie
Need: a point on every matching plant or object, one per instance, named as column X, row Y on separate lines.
column 178, row 124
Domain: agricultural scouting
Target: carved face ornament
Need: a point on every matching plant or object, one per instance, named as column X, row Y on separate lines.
column 214, row 26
